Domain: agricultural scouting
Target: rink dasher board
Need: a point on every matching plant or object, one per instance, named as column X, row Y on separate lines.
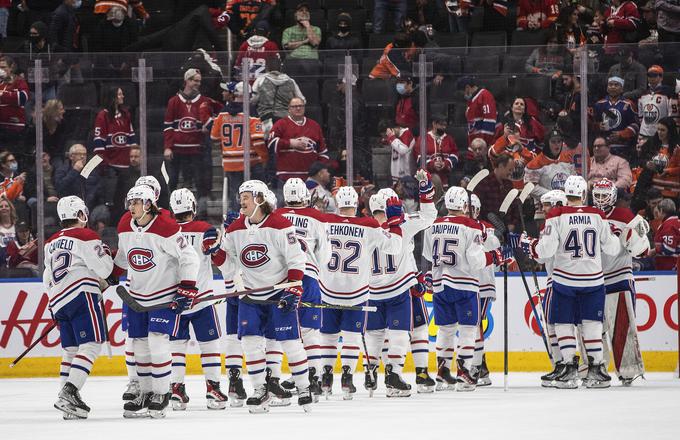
column 24, row 316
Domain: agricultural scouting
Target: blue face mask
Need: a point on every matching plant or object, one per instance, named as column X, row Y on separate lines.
column 13, row 167
column 401, row 88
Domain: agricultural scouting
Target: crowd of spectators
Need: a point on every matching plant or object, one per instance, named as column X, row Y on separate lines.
column 512, row 106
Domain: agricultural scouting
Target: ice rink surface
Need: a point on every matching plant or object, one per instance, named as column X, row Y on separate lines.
column 649, row 410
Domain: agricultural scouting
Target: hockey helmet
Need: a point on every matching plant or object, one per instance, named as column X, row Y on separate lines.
column 140, row 192
column 554, row 197
column 456, row 199
column 476, row 205
column 377, row 202
column 576, row 186
column 295, row 191
column 254, row 187
column 182, row 200
column 388, row 193
column 346, row 197
column 69, row 207
column 604, row 194
column 270, row 198
column 151, row 182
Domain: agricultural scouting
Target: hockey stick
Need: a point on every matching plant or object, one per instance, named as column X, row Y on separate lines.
column 30, row 347
column 315, row 305
column 106, row 327
column 90, row 166
column 139, row 308
column 528, row 187
column 505, row 205
column 472, row 184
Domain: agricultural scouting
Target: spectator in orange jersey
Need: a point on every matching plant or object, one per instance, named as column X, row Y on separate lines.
column 510, row 144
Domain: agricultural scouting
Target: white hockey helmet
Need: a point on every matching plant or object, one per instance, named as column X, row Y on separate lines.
column 295, row 191
column 140, row 192
column 476, row 205
column 151, row 182
column 69, row 207
column 270, row 198
column 377, row 202
column 182, row 200
column 388, row 193
column 346, row 197
column 576, row 186
column 604, row 194
column 254, row 187
column 553, row 197
column 456, row 199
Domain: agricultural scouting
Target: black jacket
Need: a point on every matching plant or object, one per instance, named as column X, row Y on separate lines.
column 65, row 29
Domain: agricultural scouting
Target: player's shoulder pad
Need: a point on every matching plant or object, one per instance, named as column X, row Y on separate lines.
column 164, row 226
column 459, row 220
column 124, row 222
column 624, row 215
column 276, row 221
column 487, row 225
column 196, row 226
column 576, row 210
column 359, row 221
column 83, row 234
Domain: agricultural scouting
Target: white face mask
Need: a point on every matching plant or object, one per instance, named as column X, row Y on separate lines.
column 3, row 74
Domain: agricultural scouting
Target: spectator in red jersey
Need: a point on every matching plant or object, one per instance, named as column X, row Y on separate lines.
column 22, row 252
column 184, row 136
column 667, row 237
column 441, row 150
column 258, row 48
column 297, row 142
column 481, row 112
column 406, row 110
column 533, row 15
column 13, row 98
column 530, row 130
column 621, row 21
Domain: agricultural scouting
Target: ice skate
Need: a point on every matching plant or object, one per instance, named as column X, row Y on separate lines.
column 569, row 376
column 484, row 380
column 305, row 398
column 424, row 383
column 158, row 405
column 67, row 416
column 445, row 381
column 132, row 391
column 327, row 381
column 278, row 396
column 236, row 393
column 597, row 376
column 371, row 379
column 314, row 385
column 138, row 407
column 467, row 379
column 289, row 385
column 396, row 387
column 178, row 398
column 548, row 380
column 347, row 383
column 259, row 401
column 70, row 402
column 214, row 397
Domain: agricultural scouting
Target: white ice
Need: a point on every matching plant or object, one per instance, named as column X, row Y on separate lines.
column 648, row 410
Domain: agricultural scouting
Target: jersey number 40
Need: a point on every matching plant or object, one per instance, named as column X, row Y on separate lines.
column 578, row 242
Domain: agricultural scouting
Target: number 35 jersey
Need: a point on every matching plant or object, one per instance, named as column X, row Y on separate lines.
column 576, row 236
column 74, row 260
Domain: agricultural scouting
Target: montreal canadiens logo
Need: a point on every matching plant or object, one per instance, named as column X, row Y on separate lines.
column 119, row 139
column 141, row 260
column 187, row 124
column 254, row 255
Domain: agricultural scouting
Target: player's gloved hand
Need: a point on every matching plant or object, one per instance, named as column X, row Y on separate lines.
column 528, row 245
column 211, row 242
column 290, row 298
column 484, row 233
column 112, row 280
column 425, row 187
column 107, row 249
column 229, row 218
column 186, row 295
column 421, row 288
column 394, row 212
column 498, row 259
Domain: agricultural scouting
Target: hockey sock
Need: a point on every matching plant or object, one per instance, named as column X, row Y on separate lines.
column 554, row 346
column 592, row 338
column 466, row 344
column 566, row 341
column 311, row 338
column 329, row 348
column 444, row 344
column 143, row 363
column 383, row 352
column 374, row 345
column 233, row 353
column 161, row 360
column 297, row 361
column 274, row 356
column 130, row 359
column 349, row 354
column 396, row 354
column 254, row 351
column 179, row 365
column 420, row 348
column 82, row 363
column 211, row 359
column 66, row 359
column 479, row 347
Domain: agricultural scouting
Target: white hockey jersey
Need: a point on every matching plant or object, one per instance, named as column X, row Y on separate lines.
column 193, row 232
column 157, row 257
column 577, row 236
column 310, row 228
column 344, row 280
column 392, row 275
column 453, row 245
column 651, row 108
column 618, row 267
column 266, row 253
column 487, row 278
column 74, row 260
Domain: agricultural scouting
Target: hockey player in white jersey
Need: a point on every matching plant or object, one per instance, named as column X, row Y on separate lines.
column 161, row 267
column 202, row 318
column 393, row 279
column 264, row 247
column 453, row 245
column 310, row 228
column 344, row 280
column 619, row 316
column 75, row 261
column 576, row 235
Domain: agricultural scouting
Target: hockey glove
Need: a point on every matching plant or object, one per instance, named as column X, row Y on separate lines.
column 211, row 242
column 425, row 187
column 394, row 212
column 421, row 288
column 229, row 218
column 528, row 245
column 113, row 280
column 106, row 249
column 185, row 298
column 290, row 298
column 497, row 258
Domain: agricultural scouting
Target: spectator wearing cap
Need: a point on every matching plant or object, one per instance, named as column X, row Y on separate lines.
column 667, row 236
column 633, row 73
column 549, row 170
column 297, row 142
column 258, row 48
column 394, row 62
column 406, row 109
column 343, row 38
column 441, row 151
column 380, row 10
column 522, row 114
column 655, row 103
column 615, row 118
column 621, row 18
column 493, row 189
column 534, row 15
column 22, row 252
column 603, row 164
column 272, row 93
column 183, row 136
column 668, row 25
column 302, row 39
column 318, row 179
column 402, row 143
column 480, row 112
column 509, row 143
